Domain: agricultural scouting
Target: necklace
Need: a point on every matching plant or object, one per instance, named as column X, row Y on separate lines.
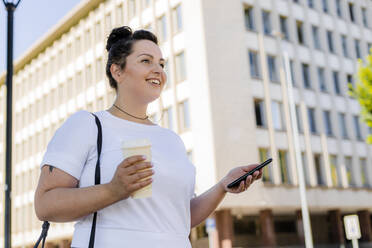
column 130, row 114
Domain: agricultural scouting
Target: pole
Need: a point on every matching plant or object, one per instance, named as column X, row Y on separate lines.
column 300, row 171
column 355, row 243
column 9, row 92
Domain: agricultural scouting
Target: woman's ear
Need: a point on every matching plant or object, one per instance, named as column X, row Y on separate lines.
column 116, row 72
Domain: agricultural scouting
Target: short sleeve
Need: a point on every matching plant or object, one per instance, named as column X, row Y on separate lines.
column 70, row 145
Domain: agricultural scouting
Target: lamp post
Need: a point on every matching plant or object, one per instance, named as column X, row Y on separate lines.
column 10, row 7
column 299, row 165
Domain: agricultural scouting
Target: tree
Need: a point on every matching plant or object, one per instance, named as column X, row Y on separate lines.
column 362, row 91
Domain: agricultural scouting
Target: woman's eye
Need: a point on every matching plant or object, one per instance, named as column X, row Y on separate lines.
column 146, row 60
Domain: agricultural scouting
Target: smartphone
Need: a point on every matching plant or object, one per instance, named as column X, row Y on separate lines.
column 237, row 181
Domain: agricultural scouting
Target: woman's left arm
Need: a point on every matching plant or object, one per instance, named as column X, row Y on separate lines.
column 202, row 206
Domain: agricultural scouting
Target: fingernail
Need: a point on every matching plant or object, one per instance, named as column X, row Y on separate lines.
column 144, row 157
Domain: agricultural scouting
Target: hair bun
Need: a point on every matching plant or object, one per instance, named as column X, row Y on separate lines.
column 117, row 34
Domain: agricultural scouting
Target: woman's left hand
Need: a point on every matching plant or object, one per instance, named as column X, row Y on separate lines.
column 238, row 172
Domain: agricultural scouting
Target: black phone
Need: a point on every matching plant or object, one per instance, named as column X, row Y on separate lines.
column 237, row 181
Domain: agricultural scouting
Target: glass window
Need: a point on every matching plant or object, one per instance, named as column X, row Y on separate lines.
column 336, row 82
column 184, row 115
column 162, row 28
column 334, row 170
column 325, row 6
column 99, row 69
column 168, row 70
column 358, row 133
column 132, row 8
column 351, row 11
column 349, row 171
column 254, row 65
column 119, row 15
column 321, row 78
column 284, row 166
column 181, row 73
column 249, row 18
column 146, row 3
column 364, row 17
column 344, row 46
column 273, row 75
column 266, row 19
column 284, row 27
column 266, row 173
column 108, row 23
column 327, row 123
column 293, row 75
column 318, row 169
column 300, row 33
column 316, row 39
column 98, row 31
column 277, row 115
column 342, row 121
column 330, row 41
column 339, row 8
column 177, row 19
column 259, row 109
column 310, row 3
column 363, row 171
column 306, row 76
column 312, row 122
column 168, row 118
column 357, row 48
column 299, row 119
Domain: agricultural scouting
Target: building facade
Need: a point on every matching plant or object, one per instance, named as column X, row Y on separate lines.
column 227, row 98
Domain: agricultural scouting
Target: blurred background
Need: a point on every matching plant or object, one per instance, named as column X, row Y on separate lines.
column 247, row 80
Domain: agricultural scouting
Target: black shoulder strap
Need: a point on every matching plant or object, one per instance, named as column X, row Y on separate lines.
column 97, row 178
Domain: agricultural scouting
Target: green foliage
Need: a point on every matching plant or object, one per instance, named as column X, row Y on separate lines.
column 362, row 91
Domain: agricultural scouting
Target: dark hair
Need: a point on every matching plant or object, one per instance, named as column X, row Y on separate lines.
column 119, row 47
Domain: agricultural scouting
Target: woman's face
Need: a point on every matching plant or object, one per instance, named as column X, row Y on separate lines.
column 144, row 68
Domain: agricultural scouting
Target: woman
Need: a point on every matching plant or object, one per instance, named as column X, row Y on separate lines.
column 135, row 69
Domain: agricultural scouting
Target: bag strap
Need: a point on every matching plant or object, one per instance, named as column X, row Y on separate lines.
column 97, row 178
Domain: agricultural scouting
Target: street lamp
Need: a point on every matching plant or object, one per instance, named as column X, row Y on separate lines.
column 300, row 170
column 10, row 7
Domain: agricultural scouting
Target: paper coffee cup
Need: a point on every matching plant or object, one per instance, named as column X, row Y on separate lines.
column 139, row 147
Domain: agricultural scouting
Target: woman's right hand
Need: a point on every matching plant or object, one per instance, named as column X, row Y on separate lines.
column 129, row 176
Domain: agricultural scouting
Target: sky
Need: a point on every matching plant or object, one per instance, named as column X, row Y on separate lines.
column 32, row 19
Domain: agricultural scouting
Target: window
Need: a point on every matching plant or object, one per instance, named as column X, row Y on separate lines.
column 146, row 3
column 271, row 62
column 249, row 18
column 184, row 115
column 181, row 73
column 293, row 76
column 254, row 65
column 277, row 115
column 299, row 119
column 306, row 168
column 330, row 41
column 168, row 118
column 259, row 109
column 363, row 171
column 266, row 20
column 88, row 38
column 99, row 69
column 349, row 79
column 316, row 39
column 349, row 171
column 108, row 23
column 132, row 8
column 300, row 33
column 321, row 78
column 284, row 168
column 88, row 75
column 339, row 8
column 342, row 121
column 98, row 31
column 334, row 171
column 336, row 82
column 344, row 46
column 177, row 19
column 306, row 76
column 312, row 122
column 357, row 48
column 318, row 169
column 351, row 11
column 283, row 27
column 162, row 28
column 358, row 133
column 369, row 47
column 327, row 123
column 325, row 6
column 119, row 15
column 168, row 71
column 266, row 173
column 310, row 3
column 364, row 17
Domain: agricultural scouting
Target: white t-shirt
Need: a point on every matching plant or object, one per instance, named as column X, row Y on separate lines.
column 162, row 221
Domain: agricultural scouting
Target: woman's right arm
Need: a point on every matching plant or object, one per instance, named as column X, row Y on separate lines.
column 58, row 199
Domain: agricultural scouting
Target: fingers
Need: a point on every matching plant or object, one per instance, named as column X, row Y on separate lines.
column 131, row 160
column 141, row 175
